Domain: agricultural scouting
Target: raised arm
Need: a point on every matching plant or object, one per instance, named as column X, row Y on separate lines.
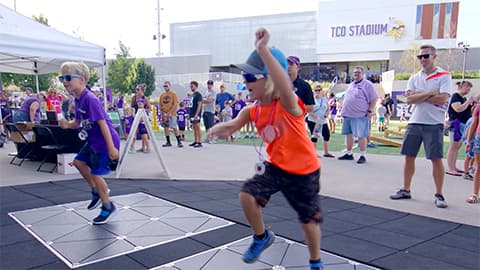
column 283, row 84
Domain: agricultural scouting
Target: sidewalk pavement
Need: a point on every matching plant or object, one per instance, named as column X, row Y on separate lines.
column 361, row 222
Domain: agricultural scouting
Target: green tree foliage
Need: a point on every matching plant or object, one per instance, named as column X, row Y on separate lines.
column 139, row 73
column 93, row 78
column 118, row 69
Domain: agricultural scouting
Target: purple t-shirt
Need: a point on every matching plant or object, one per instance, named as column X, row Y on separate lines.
column 26, row 108
column 333, row 109
column 89, row 110
column 358, row 96
column 237, row 107
column 182, row 115
column 128, row 120
column 120, row 103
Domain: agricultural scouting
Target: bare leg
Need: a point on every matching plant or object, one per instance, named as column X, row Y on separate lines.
column 84, row 170
column 438, row 174
column 408, row 171
column 476, row 177
column 252, row 212
column 102, row 188
column 362, row 143
column 349, row 142
column 312, row 234
column 452, row 154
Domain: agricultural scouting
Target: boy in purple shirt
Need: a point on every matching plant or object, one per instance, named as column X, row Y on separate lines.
column 182, row 116
column 96, row 156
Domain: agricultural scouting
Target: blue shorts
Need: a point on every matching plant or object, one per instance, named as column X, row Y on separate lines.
column 475, row 147
column 98, row 162
column 359, row 127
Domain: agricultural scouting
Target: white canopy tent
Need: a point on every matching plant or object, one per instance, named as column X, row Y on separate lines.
column 29, row 47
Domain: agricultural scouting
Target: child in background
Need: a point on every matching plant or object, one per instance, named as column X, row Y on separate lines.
column 142, row 129
column 469, row 155
column 473, row 143
column 128, row 121
column 182, row 116
column 381, row 111
column 218, row 114
column 227, row 116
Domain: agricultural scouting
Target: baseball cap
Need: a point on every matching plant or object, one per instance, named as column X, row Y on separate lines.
column 255, row 65
column 210, row 82
column 294, row 59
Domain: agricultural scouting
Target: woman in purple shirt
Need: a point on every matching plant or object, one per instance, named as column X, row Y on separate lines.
column 101, row 150
column 29, row 111
column 332, row 102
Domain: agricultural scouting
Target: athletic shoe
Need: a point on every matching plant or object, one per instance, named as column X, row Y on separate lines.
column 95, row 202
column 131, row 151
column 361, row 160
column 166, row 144
column 146, row 150
column 440, row 201
column 192, row 144
column 346, row 157
column 180, row 145
column 317, row 266
column 329, row 155
column 257, row 247
column 467, row 176
column 105, row 215
column 197, row 145
column 401, row 194
column 371, row 145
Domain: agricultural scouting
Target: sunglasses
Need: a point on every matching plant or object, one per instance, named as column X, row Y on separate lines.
column 251, row 78
column 69, row 77
column 424, row 56
column 318, row 90
column 165, row 86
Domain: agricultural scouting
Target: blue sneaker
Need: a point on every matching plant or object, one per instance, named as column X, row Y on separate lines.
column 257, row 247
column 316, row 266
column 105, row 215
column 95, row 202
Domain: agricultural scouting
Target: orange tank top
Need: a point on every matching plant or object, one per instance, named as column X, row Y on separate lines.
column 291, row 149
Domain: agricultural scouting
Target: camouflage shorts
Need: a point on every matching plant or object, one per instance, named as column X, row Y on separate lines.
column 301, row 191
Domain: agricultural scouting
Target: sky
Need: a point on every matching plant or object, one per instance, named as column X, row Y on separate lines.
column 134, row 22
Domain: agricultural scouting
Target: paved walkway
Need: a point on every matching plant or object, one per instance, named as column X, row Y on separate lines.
column 361, row 222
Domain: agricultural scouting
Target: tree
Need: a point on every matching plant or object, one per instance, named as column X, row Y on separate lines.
column 41, row 19
column 139, row 73
column 93, row 78
column 408, row 61
column 118, row 70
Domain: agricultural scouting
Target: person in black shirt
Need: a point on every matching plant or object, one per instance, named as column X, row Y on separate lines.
column 389, row 103
column 195, row 112
column 459, row 111
column 301, row 87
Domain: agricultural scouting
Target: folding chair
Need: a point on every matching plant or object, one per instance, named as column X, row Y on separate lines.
column 50, row 146
column 25, row 147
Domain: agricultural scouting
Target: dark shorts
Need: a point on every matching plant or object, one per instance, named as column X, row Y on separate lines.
column 301, row 191
column 142, row 129
column 181, row 128
column 97, row 162
column 430, row 135
column 325, row 130
column 208, row 120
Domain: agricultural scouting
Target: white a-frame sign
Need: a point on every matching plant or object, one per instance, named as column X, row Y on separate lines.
column 141, row 115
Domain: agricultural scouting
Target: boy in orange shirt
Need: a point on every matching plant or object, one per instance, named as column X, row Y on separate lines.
column 292, row 166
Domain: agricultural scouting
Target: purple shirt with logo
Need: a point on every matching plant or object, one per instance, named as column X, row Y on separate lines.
column 358, row 96
column 89, row 110
column 237, row 107
column 182, row 115
column 333, row 109
column 128, row 120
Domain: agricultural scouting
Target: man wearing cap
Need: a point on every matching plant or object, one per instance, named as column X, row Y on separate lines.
column 169, row 106
column 301, row 87
column 209, row 106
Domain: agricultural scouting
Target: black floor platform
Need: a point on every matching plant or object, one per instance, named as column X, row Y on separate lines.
column 374, row 236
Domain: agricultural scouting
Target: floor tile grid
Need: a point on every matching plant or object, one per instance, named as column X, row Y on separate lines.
column 226, row 246
column 136, row 248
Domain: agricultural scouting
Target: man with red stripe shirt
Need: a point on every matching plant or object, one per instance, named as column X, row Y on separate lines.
column 429, row 91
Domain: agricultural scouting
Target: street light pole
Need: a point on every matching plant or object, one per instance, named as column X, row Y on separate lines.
column 159, row 35
column 464, row 46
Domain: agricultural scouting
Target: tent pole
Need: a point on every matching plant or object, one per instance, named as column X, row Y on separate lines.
column 35, row 65
column 104, row 82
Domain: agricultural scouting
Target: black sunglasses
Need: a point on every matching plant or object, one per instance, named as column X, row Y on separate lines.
column 424, row 56
column 251, row 78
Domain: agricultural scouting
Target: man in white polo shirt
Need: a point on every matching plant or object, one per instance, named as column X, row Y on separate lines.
column 429, row 90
